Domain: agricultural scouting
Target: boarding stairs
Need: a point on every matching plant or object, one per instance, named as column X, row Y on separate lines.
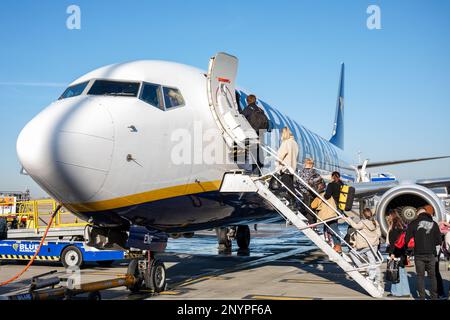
column 354, row 263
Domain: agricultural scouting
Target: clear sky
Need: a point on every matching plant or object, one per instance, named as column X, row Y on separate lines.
column 397, row 78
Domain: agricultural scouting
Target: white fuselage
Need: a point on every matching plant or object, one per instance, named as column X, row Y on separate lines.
column 97, row 153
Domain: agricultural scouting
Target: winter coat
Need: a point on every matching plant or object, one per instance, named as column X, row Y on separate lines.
column 323, row 210
column 370, row 231
column 426, row 234
column 288, row 153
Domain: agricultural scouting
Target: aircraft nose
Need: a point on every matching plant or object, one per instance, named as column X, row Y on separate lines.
column 67, row 149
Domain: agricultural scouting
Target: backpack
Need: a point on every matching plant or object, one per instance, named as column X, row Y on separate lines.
column 400, row 243
column 346, row 198
column 258, row 119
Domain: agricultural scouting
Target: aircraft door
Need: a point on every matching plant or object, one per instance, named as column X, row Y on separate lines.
column 222, row 73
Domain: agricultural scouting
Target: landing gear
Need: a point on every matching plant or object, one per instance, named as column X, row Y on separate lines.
column 243, row 237
column 149, row 273
column 225, row 235
column 223, row 239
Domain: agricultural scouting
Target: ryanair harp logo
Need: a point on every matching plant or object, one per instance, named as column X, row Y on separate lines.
column 15, row 246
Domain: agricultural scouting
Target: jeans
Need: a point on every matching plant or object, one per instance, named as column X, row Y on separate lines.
column 373, row 270
column 426, row 263
column 334, row 225
column 401, row 288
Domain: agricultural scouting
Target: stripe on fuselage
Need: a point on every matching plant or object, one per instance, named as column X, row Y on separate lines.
column 139, row 198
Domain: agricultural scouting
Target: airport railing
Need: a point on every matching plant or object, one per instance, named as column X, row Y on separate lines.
column 35, row 214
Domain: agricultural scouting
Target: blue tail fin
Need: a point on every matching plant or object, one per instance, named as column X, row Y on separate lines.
column 337, row 137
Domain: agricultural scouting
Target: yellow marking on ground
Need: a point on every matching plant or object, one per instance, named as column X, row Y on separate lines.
column 170, row 293
column 264, row 297
column 139, row 198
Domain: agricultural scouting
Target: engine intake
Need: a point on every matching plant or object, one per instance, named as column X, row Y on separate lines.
column 407, row 199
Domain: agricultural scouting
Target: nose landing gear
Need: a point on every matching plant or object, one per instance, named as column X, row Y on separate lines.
column 149, row 273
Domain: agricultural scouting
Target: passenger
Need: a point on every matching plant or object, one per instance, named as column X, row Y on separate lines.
column 426, row 236
column 325, row 211
column 367, row 241
column 255, row 115
column 444, row 227
column 259, row 122
column 334, row 190
column 440, row 283
column 288, row 153
column 396, row 229
column 312, row 178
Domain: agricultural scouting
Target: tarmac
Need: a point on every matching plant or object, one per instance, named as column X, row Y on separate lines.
column 280, row 265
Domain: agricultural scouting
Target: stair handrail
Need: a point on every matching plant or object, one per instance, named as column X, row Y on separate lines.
column 269, row 150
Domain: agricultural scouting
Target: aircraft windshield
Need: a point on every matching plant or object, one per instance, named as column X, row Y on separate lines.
column 74, row 90
column 114, row 88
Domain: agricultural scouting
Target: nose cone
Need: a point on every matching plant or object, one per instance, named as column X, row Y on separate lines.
column 67, row 149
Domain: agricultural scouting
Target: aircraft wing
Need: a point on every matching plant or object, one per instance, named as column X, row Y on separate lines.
column 434, row 183
column 391, row 163
column 369, row 189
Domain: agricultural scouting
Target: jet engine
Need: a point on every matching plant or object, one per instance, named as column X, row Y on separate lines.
column 407, row 198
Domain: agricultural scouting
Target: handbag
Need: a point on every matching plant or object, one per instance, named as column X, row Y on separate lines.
column 392, row 271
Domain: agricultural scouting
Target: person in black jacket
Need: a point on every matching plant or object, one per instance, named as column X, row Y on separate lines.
column 427, row 236
column 259, row 122
column 334, row 190
column 396, row 229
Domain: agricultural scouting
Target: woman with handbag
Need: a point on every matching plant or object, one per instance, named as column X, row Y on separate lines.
column 287, row 155
column 397, row 250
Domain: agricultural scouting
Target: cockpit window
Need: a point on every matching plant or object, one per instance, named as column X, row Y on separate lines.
column 114, row 88
column 172, row 97
column 74, row 90
column 151, row 93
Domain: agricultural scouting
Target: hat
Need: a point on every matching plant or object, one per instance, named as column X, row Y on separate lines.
column 429, row 209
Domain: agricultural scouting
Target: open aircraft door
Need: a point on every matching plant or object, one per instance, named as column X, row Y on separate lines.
column 222, row 73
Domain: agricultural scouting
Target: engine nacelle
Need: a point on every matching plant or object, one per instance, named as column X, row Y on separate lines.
column 406, row 199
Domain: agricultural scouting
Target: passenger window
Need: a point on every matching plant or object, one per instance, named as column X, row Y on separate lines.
column 74, row 90
column 172, row 97
column 151, row 93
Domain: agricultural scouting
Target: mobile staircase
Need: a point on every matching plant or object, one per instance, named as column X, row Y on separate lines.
column 239, row 135
column 355, row 263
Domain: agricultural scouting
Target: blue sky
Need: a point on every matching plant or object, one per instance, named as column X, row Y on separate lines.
column 397, row 78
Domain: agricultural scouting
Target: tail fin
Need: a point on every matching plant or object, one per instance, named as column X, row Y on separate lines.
column 337, row 137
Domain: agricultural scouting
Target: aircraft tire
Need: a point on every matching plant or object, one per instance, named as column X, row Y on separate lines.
column 243, row 237
column 157, row 281
column 133, row 270
column 222, row 239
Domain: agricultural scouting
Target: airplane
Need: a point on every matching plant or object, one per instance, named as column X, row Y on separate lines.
column 123, row 149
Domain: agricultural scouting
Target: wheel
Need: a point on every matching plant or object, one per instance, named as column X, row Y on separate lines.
column 94, row 296
column 222, row 239
column 133, row 270
column 71, row 256
column 105, row 263
column 243, row 237
column 157, row 279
